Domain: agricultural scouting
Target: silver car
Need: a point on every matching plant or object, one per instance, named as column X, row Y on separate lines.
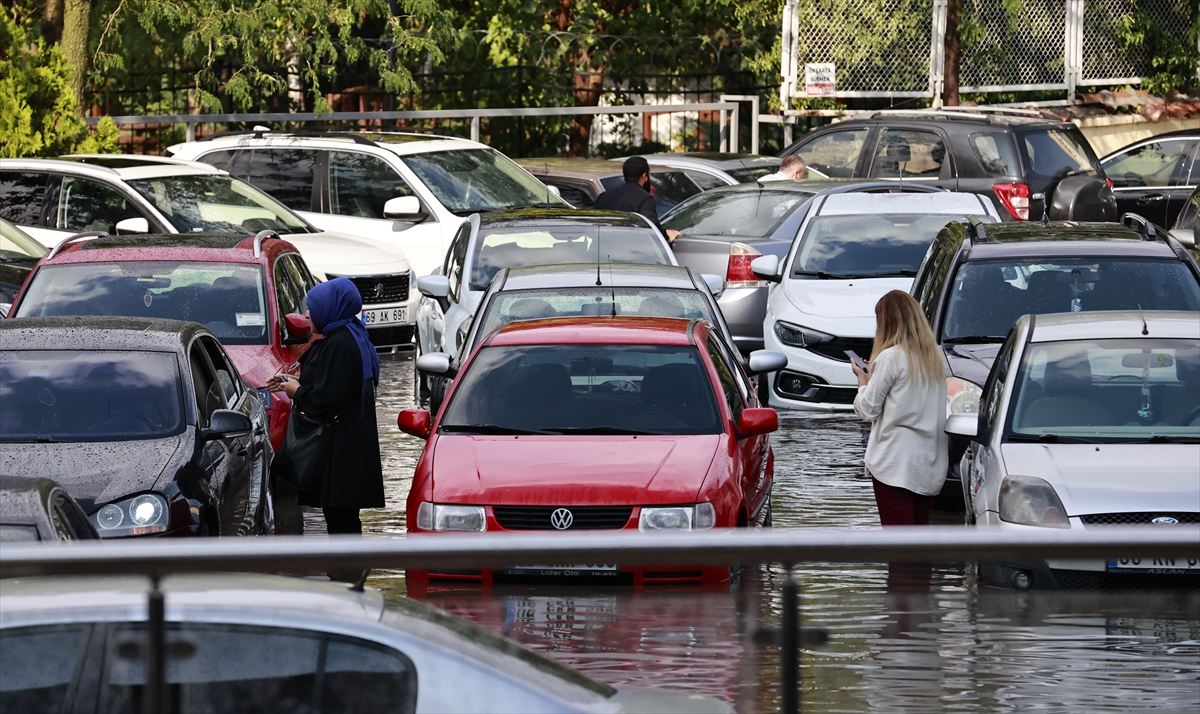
column 711, row 169
column 261, row 643
column 1088, row 420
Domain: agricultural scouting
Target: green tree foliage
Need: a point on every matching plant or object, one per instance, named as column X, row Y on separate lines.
column 39, row 113
column 1174, row 60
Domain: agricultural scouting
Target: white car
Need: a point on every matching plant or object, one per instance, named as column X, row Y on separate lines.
column 54, row 199
column 1087, row 420
column 412, row 190
column 851, row 249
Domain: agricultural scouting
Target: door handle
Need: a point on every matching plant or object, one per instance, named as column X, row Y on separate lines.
column 1151, row 198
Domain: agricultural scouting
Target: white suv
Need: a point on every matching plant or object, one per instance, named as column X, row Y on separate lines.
column 851, row 249
column 53, row 199
column 413, row 190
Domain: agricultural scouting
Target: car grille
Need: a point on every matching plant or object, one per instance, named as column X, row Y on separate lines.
column 836, row 350
column 807, row 388
column 380, row 289
column 389, row 336
column 585, row 518
column 1130, row 519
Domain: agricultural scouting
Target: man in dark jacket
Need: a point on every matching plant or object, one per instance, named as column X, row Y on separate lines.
column 634, row 195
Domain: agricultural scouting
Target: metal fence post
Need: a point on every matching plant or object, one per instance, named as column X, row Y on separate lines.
column 789, row 652
column 1073, row 46
column 475, row 121
column 190, row 131
column 154, row 662
column 937, row 52
column 723, row 131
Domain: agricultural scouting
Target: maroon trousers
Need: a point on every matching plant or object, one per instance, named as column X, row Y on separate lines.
column 901, row 507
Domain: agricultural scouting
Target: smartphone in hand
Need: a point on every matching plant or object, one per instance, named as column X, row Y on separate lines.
column 858, row 361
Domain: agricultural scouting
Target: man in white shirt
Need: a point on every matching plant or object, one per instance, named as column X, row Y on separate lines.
column 792, row 168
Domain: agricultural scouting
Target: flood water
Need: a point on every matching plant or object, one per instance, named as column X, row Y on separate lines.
column 915, row 642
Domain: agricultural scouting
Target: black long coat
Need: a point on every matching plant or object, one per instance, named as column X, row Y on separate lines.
column 631, row 198
column 331, row 385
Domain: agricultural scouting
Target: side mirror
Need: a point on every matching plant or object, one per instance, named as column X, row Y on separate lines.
column 403, row 208
column 1196, row 234
column 436, row 287
column 763, row 361
column 226, row 422
column 964, row 425
column 296, row 329
column 715, row 283
column 132, row 225
column 756, row 421
column 435, row 363
column 415, row 422
column 554, row 190
column 766, row 267
column 1185, row 236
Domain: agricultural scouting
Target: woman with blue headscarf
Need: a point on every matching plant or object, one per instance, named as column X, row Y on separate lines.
column 338, row 376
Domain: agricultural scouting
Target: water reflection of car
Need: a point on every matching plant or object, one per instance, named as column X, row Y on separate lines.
column 600, row 423
column 1088, row 421
column 268, row 643
column 145, row 422
column 581, row 181
column 250, row 293
column 975, row 282
column 18, row 254
column 38, row 509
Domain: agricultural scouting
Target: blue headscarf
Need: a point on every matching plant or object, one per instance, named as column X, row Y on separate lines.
column 338, row 303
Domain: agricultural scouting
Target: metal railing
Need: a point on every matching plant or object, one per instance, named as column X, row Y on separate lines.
column 157, row 559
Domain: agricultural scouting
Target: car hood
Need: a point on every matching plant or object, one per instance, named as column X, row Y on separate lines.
column 342, row 254
column 94, row 472
column 970, row 362
column 570, row 470
column 1112, row 478
column 841, row 298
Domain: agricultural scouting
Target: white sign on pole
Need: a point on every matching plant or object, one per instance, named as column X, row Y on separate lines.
column 819, row 79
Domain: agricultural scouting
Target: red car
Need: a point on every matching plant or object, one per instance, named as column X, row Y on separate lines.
column 248, row 292
column 593, row 424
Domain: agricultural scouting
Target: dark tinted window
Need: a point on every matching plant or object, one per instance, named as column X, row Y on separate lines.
column 359, row 184
column 866, row 245
column 1057, row 152
column 570, row 192
column 584, row 388
column 993, row 388
column 286, row 174
column 736, row 214
column 904, row 152
column 558, row 245
column 22, row 197
column 670, row 188
column 88, row 396
column 220, row 159
column 707, row 181
column 290, row 290
column 90, row 206
column 38, row 666
column 208, row 393
column 728, row 376
column 996, row 153
column 987, row 297
column 455, row 258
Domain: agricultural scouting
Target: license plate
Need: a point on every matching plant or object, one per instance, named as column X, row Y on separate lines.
column 1165, row 566
column 563, row 570
column 385, row 316
column 540, row 610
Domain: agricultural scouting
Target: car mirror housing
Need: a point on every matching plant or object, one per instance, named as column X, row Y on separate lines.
column 434, row 286
column 964, row 425
column 415, row 422
column 763, row 361
column 766, row 267
column 297, row 329
column 756, row 421
column 227, row 422
column 132, row 225
column 435, row 363
column 403, row 208
column 715, row 283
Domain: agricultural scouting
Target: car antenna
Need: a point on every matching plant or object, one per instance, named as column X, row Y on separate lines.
column 612, row 288
column 598, row 283
column 1145, row 330
column 358, row 585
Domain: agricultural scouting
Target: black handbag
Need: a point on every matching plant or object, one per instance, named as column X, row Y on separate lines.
column 301, row 459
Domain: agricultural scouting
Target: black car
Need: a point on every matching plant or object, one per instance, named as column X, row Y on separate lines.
column 38, row 509
column 1154, row 177
column 1026, row 163
column 18, row 254
column 145, row 422
column 977, row 280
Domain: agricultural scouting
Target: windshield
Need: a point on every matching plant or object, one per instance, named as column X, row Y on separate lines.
column 599, row 389
column 560, row 245
column 866, row 246
column 513, row 305
column 470, row 180
column 1057, row 153
column 217, row 204
column 1110, row 390
column 88, row 396
column 15, row 246
column 227, row 298
column 735, row 214
column 987, row 297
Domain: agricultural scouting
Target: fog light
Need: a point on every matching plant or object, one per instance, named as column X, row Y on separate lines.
column 1021, row 580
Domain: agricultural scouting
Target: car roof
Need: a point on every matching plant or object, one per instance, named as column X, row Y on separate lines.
column 595, row 330
column 1067, row 238
column 100, row 170
column 977, row 116
column 579, row 168
column 584, row 275
column 217, row 247
column 948, row 202
column 91, row 332
column 532, row 217
column 1123, row 324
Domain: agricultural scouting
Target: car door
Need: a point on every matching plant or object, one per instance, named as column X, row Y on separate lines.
column 751, row 452
column 909, row 154
column 980, row 462
column 243, row 488
column 217, row 455
column 834, row 154
column 1152, row 178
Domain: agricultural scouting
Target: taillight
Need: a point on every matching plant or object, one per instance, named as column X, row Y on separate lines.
column 738, row 274
column 1015, row 197
column 1108, row 181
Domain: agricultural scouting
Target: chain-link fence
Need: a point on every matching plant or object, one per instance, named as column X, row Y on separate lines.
column 1110, row 59
column 1013, row 44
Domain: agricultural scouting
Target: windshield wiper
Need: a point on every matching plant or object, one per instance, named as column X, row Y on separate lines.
column 600, row 430
column 1051, row 439
column 487, row 429
column 534, row 205
column 1168, row 439
column 889, row 274
column 822, row 274
column 971, row 340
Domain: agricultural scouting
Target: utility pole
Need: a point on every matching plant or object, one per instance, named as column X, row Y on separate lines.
column 788, row 65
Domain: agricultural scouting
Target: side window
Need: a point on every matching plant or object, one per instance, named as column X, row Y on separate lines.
column 208, row 394
column 227, row 377
column 40, row 666
column 834, row 154
column 571, row 192
column 220, row 159
column 1187, row 218
column 22, row 197
column 919, row 154
column 997, row 154
column 289, row 296
column 359, row 184
column 301, row 278
column 937, row 284
column 455, row 259
column 1159, row 163
column 704, row 181
column 730, row 384
column 286, row 174
column 90, row 206
column 993, row 389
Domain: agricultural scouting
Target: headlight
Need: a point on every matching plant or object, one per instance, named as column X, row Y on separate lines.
column 962, row 397
column 699, row 517
column 1029, row 501
column 445, row 517
column 140, row 515
column 797, row 336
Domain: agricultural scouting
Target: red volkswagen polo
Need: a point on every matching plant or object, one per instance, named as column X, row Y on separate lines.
column 594, row 424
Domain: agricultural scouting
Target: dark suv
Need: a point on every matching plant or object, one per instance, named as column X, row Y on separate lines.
column 1025, row 163
column 978, row 279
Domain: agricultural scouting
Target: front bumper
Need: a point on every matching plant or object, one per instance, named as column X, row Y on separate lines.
column 811, row 381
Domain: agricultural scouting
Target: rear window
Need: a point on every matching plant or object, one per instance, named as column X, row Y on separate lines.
column 752, row 174
column 1057, row 153
column 736, row 214
column 671, row 188
column 866, row 246
column 561, row 245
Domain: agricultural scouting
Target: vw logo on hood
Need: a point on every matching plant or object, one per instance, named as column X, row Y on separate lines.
column 562, row 519
column 1165, row 521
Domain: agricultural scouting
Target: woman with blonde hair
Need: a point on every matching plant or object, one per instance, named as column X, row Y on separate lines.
column 904, row 397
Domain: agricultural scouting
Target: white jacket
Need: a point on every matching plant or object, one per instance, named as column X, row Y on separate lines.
column 907, row 448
